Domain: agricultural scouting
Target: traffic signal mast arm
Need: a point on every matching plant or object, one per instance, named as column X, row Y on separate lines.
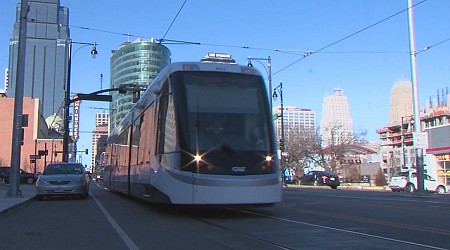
column 104, row 98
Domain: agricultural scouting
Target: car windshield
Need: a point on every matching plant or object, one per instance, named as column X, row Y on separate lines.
column 63, row 169
column 401, row 174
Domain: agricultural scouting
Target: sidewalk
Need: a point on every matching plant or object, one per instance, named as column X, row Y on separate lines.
column 7, row 202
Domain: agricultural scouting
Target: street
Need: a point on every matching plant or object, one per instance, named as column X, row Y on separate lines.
column 308, row 218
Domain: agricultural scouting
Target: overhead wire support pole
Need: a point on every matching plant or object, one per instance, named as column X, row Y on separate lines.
column 14, row 180
column 415, row 90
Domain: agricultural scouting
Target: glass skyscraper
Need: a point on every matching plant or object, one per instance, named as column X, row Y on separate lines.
column 134, row 64
column 46, row 61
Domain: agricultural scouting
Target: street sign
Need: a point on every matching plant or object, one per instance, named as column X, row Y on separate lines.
column 35, row 157
column 420, row 140
column 43, row 152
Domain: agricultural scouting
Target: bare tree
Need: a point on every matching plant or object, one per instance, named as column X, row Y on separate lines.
column 305, row 147
column 339, row 143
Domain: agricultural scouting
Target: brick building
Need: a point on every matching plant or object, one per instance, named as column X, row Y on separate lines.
column 36, row 138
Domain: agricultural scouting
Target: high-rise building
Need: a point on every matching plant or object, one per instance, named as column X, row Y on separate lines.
column 6, row 80
column 401, row 105
column 295, row 119
column 99, row 136
column 135, row 65
column 336, row 122
column 46, row 61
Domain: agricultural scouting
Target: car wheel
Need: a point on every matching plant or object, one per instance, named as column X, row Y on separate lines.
column 440, row 190
column 410, row 188
column 30, row 180
column 333, row 187
column 85, row 195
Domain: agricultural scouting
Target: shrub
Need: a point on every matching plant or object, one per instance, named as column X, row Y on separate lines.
column 380, row 179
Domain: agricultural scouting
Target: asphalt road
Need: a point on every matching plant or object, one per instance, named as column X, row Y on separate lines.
column 306, row 219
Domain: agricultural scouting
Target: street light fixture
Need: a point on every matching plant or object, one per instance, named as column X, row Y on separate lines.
column 67, row 95
column 268, row 71
column 279, row 89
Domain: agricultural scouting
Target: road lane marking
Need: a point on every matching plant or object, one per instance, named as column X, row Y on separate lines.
column 126, row 239
column 341, row 230
column 377, row 222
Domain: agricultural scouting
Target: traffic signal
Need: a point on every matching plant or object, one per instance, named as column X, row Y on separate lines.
column 281, row 145
column 87, row 151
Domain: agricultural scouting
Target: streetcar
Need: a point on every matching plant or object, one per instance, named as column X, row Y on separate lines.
column 200, row 134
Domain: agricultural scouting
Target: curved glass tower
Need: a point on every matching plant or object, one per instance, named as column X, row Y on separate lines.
column 135, row 65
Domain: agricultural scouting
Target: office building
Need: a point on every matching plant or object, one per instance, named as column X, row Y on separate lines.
column 337, row 124
column 99, row 136
column 295, row 119
column 134, row 65
column 46, row 61
column 401, row 102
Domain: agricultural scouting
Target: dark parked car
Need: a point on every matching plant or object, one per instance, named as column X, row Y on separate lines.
column 25, row 177
column 319, row 178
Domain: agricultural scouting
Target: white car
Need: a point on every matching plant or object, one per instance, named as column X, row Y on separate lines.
column 63, row 179
column 407, row 181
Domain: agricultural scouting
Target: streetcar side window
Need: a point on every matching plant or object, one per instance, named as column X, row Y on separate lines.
column 166, row 122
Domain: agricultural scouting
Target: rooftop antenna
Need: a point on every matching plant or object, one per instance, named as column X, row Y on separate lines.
column 101, row 81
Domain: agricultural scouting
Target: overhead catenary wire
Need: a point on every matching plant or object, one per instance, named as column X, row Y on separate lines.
column 173, row 21
column 346, row 37
column 302, row 53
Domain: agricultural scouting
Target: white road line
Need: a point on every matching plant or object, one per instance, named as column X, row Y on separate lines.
column 343, row 230
column 116, row 227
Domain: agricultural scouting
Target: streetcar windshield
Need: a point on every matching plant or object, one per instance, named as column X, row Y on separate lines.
column 223, row 110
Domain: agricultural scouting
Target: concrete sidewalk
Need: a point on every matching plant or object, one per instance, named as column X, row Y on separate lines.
column 8, row 202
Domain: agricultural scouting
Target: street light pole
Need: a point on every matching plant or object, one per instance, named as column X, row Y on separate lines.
column 403, row 145
column 67, row 96
column 282, row 141
column 268, row 71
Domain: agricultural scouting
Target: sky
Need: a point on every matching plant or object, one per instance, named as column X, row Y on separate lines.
column 360, row 46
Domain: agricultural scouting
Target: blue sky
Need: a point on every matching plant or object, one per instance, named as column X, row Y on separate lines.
column 365, row 65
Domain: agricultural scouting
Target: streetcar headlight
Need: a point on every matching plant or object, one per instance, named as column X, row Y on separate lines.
column 267, row 166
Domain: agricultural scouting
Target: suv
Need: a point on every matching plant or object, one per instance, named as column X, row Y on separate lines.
column 407, row 181
column 25, row 177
